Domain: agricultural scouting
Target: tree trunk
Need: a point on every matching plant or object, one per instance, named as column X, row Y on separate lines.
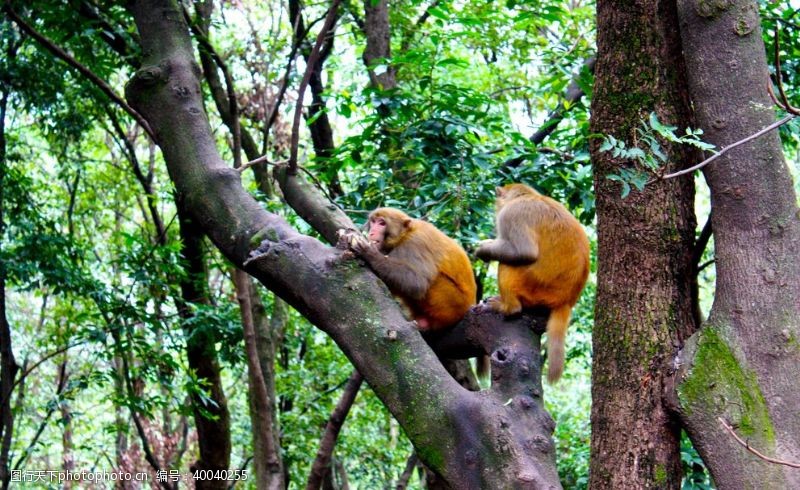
column 321, row 467
column 261, row 385
column 500, row 438
column 8, row 365
column 744, row 364
column 645, row 276
column 378, row 48
column 213, row 432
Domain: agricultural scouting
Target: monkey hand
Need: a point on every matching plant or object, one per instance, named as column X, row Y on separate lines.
column 344, row 238
column 355, row 241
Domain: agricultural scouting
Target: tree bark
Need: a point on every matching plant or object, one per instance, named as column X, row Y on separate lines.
column 464, row 436
column 743, row 365
column 379, row 37
column 268, row 335
column 645, row 275
column 213, row 432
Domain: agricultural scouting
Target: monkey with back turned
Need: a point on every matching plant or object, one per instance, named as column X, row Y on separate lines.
column 543, row 256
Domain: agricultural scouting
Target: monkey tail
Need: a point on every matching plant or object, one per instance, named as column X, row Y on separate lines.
column 556, row 333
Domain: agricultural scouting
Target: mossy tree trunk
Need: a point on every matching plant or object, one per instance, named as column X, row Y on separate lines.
column 500, row 438
column 645, row 307
column 743, row 366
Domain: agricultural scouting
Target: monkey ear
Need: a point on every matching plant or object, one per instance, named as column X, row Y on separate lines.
column 498, row 191
column 406, row 222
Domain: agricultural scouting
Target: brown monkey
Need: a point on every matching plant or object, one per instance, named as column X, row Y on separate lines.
column 544, row 261
column 427, row 270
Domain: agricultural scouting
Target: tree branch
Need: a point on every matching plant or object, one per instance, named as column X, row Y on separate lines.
column 60, row 386
column 322, row 463
column 411, row 463
column 572, row 95
column 728, row 148
column 83, row 70
column 233, row 107
column 754, row 451
column 310, row 64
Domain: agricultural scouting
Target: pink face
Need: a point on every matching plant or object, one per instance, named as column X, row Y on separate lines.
column 377, row 230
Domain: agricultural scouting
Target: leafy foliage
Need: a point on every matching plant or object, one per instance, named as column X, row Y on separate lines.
column 647, row 152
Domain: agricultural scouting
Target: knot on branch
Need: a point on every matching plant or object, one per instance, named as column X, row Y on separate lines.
column 146, row 77
column 513, row 344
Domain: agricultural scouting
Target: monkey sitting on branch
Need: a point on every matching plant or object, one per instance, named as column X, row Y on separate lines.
column 427, row 271
column 544, row 261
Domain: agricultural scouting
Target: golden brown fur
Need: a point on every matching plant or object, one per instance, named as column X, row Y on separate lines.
column 544, row 261
column 427, row 270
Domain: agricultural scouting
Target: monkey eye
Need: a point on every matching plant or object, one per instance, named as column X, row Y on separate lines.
column 381, row 222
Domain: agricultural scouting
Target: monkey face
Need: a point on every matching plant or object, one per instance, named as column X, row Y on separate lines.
column 387, row 228
column 377, row 231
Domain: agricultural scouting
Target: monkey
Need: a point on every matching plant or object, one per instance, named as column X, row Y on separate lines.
column 425, row 269
column 543, row 256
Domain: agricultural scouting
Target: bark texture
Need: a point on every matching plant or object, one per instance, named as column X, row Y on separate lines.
column 378, row 49
column 743, row 365
column 645, row 274
column 495, row 439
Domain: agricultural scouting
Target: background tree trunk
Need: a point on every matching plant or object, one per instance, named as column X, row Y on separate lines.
column 645, row 274
column 268, row 332
column 744, row 364
column 379, row 36
column 8, row 365
column 213, row 432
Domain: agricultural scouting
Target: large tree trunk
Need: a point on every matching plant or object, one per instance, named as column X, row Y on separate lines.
column 500, row 438
column 744, row 364
column 645, row 276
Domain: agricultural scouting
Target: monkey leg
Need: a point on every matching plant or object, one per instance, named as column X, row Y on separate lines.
column 507, row 305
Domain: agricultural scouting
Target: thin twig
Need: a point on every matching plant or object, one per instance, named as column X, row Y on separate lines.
column 64, row 56
column 39, row 363
column 754, row 451
column 705, row 162
column 310, row 62
column 261, row 159
column 705, row 264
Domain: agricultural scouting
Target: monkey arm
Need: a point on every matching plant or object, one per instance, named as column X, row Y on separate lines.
column 403, row 277
column 406, row 272
column 520, row 250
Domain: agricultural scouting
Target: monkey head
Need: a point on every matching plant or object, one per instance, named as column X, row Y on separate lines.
column 387, row 228
column 512, row 191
